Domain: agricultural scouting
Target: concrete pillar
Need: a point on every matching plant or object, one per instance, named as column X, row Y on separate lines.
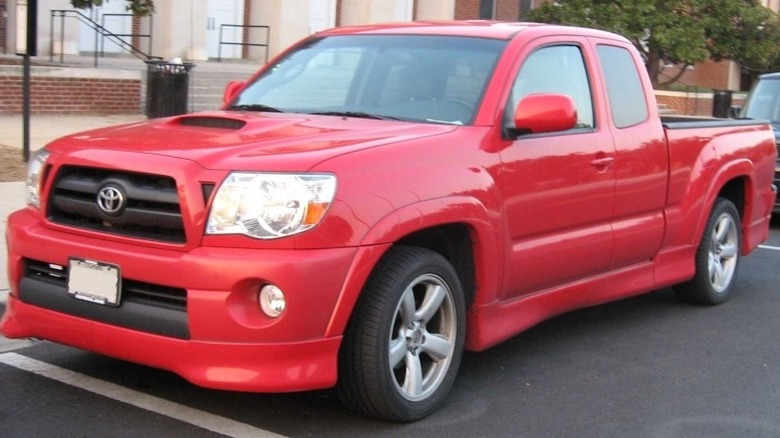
column 356, row 12
column 46, row 41
column 180, row 29
column 288, row 20
column 435, row 10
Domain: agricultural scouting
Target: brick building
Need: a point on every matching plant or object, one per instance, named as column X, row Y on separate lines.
column 256, row 30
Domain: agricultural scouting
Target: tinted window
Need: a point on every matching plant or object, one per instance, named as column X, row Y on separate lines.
column 624, row 88
column 556, row 69
column 437, row 79
column 763, row 101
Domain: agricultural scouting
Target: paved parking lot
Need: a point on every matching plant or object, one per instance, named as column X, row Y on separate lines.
column 643, row 367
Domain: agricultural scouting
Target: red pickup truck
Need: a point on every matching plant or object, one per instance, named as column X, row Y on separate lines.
column 378, row 199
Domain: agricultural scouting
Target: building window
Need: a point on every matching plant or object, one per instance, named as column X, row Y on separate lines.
column 525, row 6
column 487, row 9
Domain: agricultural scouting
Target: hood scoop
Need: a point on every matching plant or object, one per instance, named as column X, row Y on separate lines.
column 212, row 122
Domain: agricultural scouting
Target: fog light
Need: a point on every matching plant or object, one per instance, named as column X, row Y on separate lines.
column 272, row 300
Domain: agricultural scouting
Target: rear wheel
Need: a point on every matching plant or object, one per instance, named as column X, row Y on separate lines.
column 717, row 258
column 403, row 347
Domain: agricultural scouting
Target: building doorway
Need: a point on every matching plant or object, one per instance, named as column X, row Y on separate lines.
column 229, row 12
column 112, row 16
column 322, row 15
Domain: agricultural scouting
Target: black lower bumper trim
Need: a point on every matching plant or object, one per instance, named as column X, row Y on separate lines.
column 131, row 313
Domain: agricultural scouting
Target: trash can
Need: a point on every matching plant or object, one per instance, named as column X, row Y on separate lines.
column 721, row 103
column 167, row 84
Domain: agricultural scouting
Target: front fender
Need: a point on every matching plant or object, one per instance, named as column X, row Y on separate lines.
column 483, row 226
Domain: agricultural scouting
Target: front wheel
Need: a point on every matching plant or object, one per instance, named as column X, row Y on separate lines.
column 403, row 347
column 717, row 258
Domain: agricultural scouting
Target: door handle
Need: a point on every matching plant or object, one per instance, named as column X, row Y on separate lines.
column 602, row 162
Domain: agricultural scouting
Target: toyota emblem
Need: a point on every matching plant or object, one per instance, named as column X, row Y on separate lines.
column 110, row 200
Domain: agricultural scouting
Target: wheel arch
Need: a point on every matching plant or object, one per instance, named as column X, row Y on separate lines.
column 732, row 181
column 461, row 230
column 735, row 184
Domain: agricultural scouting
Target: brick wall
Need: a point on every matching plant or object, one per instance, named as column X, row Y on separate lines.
column 467, row 9
column 692, row 104
column 69, row 94
column 507, row 10
column 247, row 21
column 708, row 74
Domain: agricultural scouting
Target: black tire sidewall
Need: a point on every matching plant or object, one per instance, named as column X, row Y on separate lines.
column 371, row 327
column 701, row 286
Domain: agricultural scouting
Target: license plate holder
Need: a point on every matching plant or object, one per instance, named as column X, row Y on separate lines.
column 93, row 281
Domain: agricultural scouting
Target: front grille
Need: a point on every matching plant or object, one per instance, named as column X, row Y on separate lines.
column 149, row 207
column 143, row 306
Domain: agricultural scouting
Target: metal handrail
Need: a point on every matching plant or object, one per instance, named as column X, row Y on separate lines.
column 131, row 35
column 230, row 43
column 99, row 31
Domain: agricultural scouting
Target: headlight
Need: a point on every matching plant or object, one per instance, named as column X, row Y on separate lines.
column 35, row 169
column 270, row 205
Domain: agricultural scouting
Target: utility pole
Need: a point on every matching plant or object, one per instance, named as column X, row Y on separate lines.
column 26, row 46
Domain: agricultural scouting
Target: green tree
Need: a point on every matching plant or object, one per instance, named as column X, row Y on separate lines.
column 680, row 32
column 137, row 7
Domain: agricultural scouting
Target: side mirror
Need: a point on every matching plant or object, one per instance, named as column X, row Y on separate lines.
column 545, row 112
column 734, row 111
column 231, row 90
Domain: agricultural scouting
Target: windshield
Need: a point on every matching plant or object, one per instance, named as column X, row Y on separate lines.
column 763, row 101
column 437, row 79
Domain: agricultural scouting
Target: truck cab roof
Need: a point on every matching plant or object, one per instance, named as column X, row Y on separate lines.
column 469, row 28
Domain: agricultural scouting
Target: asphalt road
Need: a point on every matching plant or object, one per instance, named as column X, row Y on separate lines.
column 643, row 367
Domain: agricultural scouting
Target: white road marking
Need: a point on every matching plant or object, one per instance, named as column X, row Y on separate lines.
column 179, row 412
column 773, row 248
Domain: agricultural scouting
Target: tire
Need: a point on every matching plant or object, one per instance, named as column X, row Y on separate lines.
column 717, row 258
column 403, row 346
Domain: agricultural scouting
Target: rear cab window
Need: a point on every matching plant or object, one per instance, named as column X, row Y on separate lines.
column 624, row 87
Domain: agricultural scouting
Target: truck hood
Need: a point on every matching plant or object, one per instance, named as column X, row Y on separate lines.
column 222, row 140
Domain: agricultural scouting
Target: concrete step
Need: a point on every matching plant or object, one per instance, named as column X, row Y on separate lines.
column 207, row 87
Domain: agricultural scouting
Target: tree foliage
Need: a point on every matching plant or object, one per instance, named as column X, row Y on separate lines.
column 680, row 32
column 137, row 7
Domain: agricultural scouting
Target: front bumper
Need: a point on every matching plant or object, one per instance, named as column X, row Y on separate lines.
column 278, row 367
column 219, row 338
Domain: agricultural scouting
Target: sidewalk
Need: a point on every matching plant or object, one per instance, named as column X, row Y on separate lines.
column 43, row 129
column 243, row 66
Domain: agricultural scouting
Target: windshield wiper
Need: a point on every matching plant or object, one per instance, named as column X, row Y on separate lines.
column 255, row 107
column 356, row 114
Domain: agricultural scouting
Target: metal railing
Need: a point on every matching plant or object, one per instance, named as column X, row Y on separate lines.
column 100, row 32
column 243, row 44
column 125, row 35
